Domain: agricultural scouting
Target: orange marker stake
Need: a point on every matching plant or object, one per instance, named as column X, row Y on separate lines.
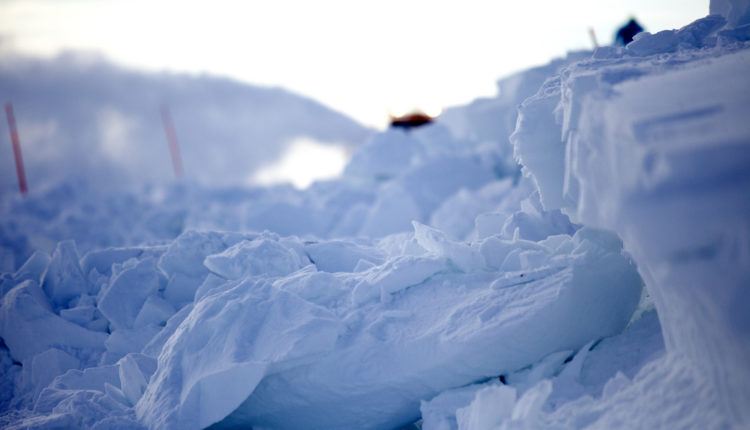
column 174, row 146
column 22, row 186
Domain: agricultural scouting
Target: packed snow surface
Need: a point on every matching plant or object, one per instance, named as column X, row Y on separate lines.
column 486, row 271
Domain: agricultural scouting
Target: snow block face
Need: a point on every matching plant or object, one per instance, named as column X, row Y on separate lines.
column 538, row 144
column 64, row 280
column 341, row 256
column 28, row 326
column 696, row 35
column 490, row 407
column 254, row 258
column 225, row 346
column 379, row 283
column 186, row 254
column 124, row 340
column 92, row 378
column 458, row 255
column 123, row 299
column 133, row 379
column 32, row 269
column 645, row 43
column 155, row 311
column 183, row 262
column 102, row 260
column 40, row 370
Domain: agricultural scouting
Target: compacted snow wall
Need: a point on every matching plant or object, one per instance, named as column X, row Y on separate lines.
column 654, row 144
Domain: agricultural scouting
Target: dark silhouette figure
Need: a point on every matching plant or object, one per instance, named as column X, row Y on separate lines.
column 627, row 32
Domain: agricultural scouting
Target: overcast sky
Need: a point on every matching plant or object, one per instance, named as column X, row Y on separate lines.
column 362, row 58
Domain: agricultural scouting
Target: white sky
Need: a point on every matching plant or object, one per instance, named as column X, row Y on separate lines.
column 361, row 58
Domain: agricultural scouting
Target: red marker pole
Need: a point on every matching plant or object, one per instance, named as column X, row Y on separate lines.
column 174, row 146
column 16, row 149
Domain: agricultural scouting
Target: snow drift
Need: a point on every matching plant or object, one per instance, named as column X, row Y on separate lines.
column 432, row 285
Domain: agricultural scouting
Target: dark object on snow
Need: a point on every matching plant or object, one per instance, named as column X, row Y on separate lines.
column 410, row 120
column 627, row 32
column 502, row 379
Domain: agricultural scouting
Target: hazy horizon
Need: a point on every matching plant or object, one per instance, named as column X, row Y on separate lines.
column 363, row 59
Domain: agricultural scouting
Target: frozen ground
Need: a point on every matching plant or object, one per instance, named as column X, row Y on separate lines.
column 435, row 285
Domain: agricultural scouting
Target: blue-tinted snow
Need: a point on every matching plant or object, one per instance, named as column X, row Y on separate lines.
column 431, row 284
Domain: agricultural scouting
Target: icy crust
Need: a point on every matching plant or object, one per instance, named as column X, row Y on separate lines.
column 669, row 174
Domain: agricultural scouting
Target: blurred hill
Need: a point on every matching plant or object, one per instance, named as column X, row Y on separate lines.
column 81, row 117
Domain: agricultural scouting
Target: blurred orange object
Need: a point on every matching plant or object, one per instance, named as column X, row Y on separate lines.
column 411, row 120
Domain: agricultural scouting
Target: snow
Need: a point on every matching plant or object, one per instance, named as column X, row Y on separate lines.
column 29, row 326
column 649, row 158
column 63, row 279
column 573, row 253
column 737, row 12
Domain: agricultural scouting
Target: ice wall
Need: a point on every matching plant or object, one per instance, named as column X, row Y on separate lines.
column 653, row 143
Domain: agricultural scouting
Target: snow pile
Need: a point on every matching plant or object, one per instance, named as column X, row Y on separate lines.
column 432, row 285
column 434, row 315
column 363, row 348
